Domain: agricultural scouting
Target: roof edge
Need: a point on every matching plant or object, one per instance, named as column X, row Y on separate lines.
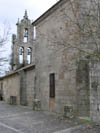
column 49, row 11
column 17, row 71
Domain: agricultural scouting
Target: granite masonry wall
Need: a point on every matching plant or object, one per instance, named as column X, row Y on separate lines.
column 95, row 90
column 21, row 85
column 55, row 34
column 12, row 82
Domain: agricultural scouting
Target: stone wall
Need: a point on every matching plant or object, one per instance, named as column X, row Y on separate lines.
column 54, row 34
column 21, row 85
column 59, row 46
column 30, row 83
column 83, row 88
column 11, row 87
column 95, row 90
column 23, row 95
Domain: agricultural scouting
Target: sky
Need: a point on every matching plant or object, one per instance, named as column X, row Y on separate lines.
column 11, row 10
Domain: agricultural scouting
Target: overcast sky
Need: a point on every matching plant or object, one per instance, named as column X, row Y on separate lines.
column 11, row 10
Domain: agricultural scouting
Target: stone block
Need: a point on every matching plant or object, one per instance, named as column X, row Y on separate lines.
column 36, row 105
column 68, row 111
column 13, row 100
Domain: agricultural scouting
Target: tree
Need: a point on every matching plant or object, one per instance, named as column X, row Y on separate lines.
column 87, row 21
column 85, row 17
column 4, row 38
column 4, row 33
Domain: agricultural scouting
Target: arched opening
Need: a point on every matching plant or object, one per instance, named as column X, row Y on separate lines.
column 29, row 55
column 25, row 35
column 21, row 55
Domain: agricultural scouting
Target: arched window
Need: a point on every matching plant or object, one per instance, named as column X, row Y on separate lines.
column 25, row 35
column 21, row 55
column 29, row 55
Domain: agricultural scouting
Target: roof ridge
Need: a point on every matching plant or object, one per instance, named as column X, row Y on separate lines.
column 49, row 11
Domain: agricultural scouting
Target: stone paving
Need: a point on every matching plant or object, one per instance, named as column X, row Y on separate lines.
column 20, row 119
column 91, row 128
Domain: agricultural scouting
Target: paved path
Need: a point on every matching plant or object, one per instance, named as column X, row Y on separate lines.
column 19, row 119
column 94, row 129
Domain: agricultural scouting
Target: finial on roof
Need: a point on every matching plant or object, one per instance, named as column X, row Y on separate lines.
column 17, row 22
column 25, row 15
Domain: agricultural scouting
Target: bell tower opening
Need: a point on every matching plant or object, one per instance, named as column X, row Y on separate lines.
column 29, row 55
column 25, row 35
column 21, row 55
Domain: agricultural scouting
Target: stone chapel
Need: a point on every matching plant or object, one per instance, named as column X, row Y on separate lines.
column 48, row 66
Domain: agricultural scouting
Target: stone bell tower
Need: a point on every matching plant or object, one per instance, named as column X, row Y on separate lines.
column 23, row 48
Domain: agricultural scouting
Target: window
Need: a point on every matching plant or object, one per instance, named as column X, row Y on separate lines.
column 34, row 33
column 25, row 35
column 29, row 55
column 21, row 55
column 52, row 85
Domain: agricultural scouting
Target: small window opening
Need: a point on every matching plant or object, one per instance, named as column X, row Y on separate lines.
column 52, row 85
column 34, row 33
column 29, row 55
column 21, row 55
column 25, row 35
